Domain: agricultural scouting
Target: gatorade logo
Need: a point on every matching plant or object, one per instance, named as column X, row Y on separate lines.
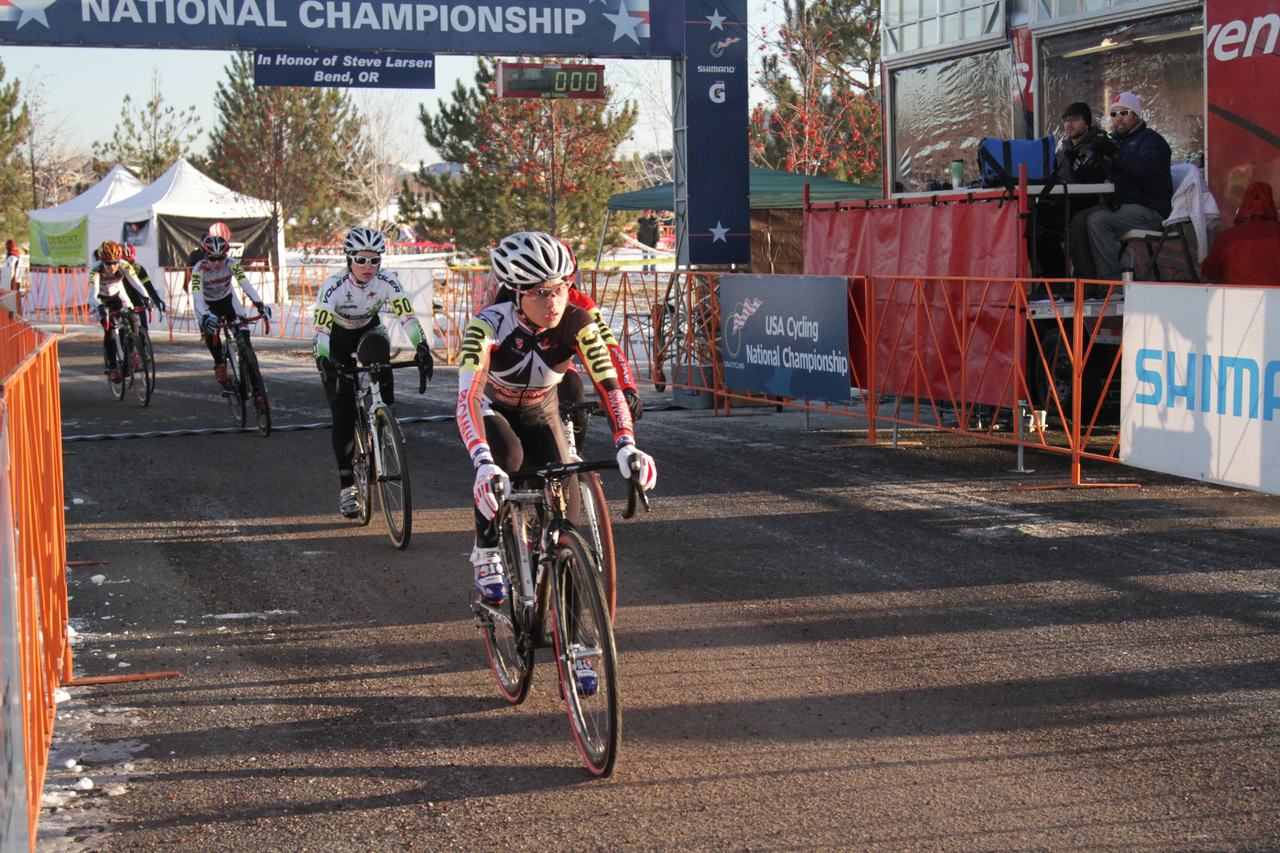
column 1237, row 39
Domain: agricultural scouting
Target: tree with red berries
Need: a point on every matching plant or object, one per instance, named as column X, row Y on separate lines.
column 820, row 69
column 545, row 164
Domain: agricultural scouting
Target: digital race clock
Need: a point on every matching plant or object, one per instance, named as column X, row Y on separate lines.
column 550, row 80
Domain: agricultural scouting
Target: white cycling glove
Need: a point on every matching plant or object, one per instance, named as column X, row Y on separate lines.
column 486, row 500
column 647, row 476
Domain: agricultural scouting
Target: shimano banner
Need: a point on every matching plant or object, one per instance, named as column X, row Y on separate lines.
column 624, row 28
column 1200, row 393
column 716, row 81
column 350, row 68
column 786, row 335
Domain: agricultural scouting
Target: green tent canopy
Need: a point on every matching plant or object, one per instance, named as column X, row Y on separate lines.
column 770, row 190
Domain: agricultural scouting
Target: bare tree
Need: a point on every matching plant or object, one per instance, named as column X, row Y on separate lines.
column 647, row 84
column 150, row 136
column 56, row 170
column 376, row 181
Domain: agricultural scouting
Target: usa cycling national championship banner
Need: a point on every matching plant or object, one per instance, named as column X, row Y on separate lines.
column 786, row 335
column 59, row 244
column 1200, row 388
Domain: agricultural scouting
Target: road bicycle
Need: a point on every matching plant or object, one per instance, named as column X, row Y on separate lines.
column 597, row 526
column 378, row 455
column 135, row 359
column 244, row 377
column 556, row 600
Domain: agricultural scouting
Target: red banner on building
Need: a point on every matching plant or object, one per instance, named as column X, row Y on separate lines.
column 1242, row 47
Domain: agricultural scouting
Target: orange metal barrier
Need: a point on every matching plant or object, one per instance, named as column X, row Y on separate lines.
column 1020, row 361
column 30, row 421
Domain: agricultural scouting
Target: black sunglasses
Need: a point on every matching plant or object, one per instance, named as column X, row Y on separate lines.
column 219, row 257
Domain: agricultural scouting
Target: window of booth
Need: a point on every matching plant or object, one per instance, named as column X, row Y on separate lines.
column 911, row 25
column 1161, row 60
column 941, row 111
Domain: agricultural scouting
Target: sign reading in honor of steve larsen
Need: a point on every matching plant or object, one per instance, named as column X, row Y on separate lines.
column 347, row 68
column 786, row 335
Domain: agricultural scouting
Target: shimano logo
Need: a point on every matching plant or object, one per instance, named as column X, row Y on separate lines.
column 1237, row 39
column 717, row 69
column 1200, row 382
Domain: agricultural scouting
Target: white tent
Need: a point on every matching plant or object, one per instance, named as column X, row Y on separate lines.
column 56, row 238
column 116, row 185
column 183, row 192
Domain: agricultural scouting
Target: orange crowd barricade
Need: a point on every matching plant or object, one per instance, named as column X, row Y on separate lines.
column 36, row 651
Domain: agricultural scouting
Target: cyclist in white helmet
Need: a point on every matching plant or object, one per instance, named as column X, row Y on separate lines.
column 514, row 354
column 213, row 281
column 347, row 326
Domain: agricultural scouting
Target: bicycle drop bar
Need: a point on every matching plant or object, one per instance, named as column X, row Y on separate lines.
column 352, row 372
column 560, row 470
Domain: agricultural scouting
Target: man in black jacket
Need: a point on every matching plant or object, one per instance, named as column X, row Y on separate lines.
column 1141, row 172
column 1084, row 157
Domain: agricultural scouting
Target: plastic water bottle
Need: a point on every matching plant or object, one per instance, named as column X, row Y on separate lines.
column 957, row 174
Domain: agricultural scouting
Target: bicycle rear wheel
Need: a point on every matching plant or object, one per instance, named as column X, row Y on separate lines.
column 257, row 390
column 150, row 361
column 583, row 632
column 234, row 390
column 597, row 529
column 393, row 479
column 360, row 468
column 141, row 367
column 509, row 652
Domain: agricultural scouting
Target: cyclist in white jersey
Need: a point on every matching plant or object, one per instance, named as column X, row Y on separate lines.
column 110, row 278
column 213, row 283
column 348, row 325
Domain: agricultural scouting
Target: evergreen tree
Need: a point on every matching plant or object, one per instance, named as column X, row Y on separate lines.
column 824, row 118
column 547, row 165
column 13, row 131
column 149, row 137
column 301, row 149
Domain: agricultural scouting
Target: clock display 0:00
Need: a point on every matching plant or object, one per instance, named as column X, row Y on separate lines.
column 573, row 82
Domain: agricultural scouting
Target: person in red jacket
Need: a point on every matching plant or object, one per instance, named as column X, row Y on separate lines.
column 1249, row 251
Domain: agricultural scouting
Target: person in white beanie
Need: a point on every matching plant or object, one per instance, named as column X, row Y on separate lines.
column 1141, row 172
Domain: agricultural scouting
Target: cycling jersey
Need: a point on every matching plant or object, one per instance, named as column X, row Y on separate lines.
column 508, row 364
column 140, row 273
column 349, row 304
column 212, row 280
column 110, row 284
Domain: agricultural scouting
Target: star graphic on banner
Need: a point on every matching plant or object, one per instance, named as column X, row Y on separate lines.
column 718, row 233
column 717, row 20
column 33, row 10
column 624, row 23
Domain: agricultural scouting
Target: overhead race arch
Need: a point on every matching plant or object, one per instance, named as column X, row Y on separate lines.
column 705, row 39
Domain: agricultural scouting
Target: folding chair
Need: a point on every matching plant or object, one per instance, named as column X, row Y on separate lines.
column 1154, row 242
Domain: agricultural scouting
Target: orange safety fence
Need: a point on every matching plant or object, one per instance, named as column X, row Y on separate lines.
column 33, row 560
column 1026, row 362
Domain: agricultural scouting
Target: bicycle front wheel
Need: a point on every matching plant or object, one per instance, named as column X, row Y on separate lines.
column 597, row 529
column 118, row 386
column 257, row 389
column 143, row 370
column 233, row 392
column 508, row 649
column 393, row 479
column 586, row 658
column 360, row 469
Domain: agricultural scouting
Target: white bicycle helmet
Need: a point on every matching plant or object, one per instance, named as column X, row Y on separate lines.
column 361, row 239
column 528, row 259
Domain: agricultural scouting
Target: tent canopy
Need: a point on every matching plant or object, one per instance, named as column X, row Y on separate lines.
column 184, row 191
column 117, row 185
column 769, row 190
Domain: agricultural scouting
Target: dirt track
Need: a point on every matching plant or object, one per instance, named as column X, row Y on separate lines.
column 824, row 644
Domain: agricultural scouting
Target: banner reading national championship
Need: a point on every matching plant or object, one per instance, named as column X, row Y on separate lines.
column 548, row 27
column 786, row 335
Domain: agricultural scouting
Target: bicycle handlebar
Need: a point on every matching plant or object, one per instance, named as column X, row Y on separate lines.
column 223, row 322
column 352, row 372
column 561, row 470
